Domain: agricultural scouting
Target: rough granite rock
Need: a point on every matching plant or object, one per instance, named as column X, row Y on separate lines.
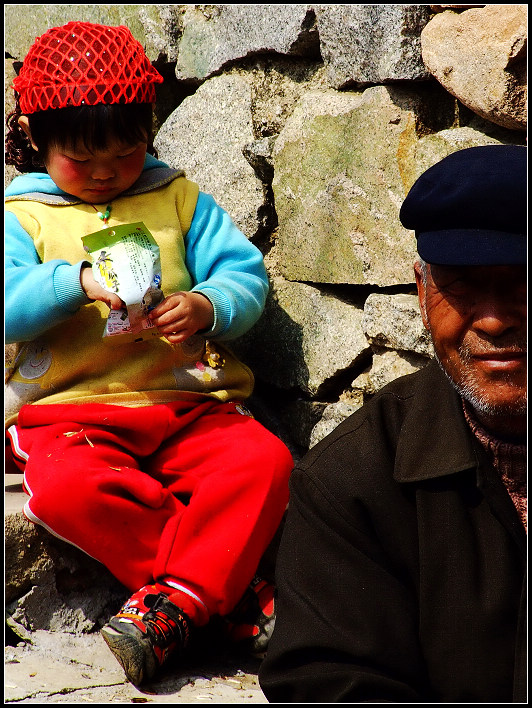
column 316, row 337
column 210, row 151
column 214, row 36
column 386, row 366
column 371, row 44
column 156, row 27
column 338, row 209
column 394, row 321
column 480, row 56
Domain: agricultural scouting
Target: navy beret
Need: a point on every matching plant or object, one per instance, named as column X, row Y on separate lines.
column 471, row 207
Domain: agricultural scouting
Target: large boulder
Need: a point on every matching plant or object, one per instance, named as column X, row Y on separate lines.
column 306, row 338
column 206, row 136
column 394, row 322
column 480, row 56
column 214, row 36
column 371, row 44
column 154, row 26
column 386, row 365
column 50, row 584
column 338, row 185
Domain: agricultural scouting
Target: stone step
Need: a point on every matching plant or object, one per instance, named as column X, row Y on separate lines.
column 50, row 584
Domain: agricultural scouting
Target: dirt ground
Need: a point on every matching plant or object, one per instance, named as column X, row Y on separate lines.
column 64, row 668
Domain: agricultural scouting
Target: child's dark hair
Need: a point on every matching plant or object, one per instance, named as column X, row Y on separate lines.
column 91, row 126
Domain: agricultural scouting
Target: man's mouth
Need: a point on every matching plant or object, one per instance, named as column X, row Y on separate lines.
column 500, row 354
column 497, row 359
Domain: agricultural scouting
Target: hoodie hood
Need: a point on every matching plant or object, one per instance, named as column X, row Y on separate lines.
column 40, row 183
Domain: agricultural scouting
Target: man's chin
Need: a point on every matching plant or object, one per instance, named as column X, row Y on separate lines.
column 502, row 415
column 496, row 407
column 502, row 401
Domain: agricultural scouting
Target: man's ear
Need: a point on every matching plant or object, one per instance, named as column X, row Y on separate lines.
column 421, row 283
column 24, row 123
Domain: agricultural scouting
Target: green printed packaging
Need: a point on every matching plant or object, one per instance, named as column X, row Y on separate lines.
column 126, row 261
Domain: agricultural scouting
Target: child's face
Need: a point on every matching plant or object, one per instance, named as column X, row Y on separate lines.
column 96, row 177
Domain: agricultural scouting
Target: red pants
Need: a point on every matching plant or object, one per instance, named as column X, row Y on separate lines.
column 187, row 492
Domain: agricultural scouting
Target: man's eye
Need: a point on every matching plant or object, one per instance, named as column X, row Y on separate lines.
column 458, row 285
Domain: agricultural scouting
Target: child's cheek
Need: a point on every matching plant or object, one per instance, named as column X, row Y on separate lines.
column 70, row 170
column 133, row 166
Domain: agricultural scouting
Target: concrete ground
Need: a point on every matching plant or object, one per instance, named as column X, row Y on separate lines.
column 63, row 668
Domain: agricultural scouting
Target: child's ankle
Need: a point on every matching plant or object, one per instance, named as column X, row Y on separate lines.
column 180, row 595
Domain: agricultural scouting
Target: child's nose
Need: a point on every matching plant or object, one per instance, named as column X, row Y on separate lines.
column 103, row 171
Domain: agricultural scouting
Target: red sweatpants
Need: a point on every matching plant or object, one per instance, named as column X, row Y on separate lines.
column 187, row 492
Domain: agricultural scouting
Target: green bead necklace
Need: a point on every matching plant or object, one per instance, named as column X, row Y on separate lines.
column 104, row 217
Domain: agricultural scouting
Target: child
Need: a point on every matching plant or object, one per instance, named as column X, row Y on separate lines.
column 138, row 453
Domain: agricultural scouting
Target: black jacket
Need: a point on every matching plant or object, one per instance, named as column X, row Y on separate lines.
column 401, row 567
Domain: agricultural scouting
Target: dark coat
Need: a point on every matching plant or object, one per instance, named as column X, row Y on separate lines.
column 401, row 567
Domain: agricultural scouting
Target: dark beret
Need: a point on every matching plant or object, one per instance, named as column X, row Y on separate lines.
column 471, row 207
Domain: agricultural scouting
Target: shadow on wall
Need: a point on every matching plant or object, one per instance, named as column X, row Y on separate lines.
column 279, row 361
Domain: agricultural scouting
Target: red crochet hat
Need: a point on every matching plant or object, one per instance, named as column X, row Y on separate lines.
column 82, row 63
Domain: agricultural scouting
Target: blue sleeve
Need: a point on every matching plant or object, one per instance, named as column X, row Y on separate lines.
column 37, row 295
column 227, row 268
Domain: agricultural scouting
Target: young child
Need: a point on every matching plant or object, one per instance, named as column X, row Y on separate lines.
column 139, row 453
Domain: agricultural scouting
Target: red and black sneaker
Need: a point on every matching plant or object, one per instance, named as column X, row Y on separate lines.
column 251, row 622
column 146, row 631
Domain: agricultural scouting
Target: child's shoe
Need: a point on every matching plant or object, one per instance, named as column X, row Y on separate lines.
column 146, row 631
column 251, row 622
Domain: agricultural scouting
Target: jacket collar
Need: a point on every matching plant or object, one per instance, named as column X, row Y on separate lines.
column 435, row 438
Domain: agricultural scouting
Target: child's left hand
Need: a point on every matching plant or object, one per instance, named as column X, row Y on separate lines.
column 181, row 315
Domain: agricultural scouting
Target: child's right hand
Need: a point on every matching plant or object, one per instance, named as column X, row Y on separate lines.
column 94, row 291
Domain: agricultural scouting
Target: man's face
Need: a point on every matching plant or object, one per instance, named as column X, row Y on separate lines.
column 477, row 319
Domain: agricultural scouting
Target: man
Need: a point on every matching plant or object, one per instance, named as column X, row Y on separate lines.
column 401, row 568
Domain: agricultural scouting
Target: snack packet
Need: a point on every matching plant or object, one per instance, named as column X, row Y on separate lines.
column 126, row 261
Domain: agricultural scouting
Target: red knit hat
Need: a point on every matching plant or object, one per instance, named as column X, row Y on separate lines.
column 82, row 63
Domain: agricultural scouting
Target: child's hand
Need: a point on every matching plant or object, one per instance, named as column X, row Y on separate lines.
column 94, row 290
column 181, row 315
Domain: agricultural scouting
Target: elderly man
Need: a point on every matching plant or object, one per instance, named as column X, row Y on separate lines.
column 402, row 563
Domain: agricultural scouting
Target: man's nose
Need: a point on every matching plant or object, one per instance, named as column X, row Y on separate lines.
column 496, row 313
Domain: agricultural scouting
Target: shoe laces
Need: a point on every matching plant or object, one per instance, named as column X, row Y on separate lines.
column 165, row 622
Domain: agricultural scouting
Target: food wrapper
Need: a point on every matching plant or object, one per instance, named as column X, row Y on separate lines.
column 126, row 261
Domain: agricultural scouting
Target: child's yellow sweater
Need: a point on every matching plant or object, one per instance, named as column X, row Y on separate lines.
column 72, row 362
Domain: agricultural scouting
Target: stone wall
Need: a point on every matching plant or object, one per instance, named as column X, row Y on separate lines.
column 309, row 123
